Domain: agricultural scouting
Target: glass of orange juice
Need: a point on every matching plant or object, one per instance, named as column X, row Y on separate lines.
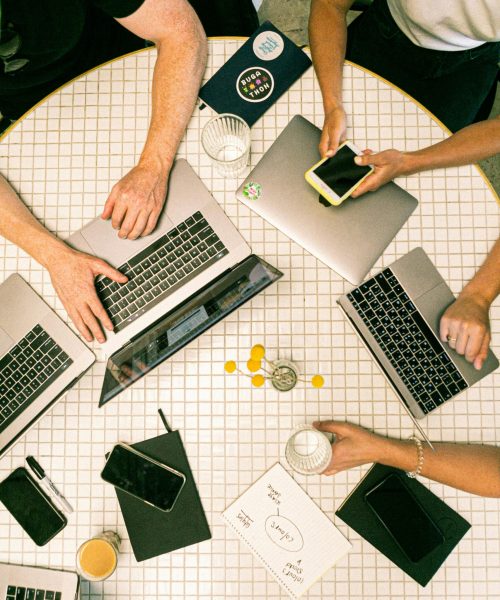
column 96, row 558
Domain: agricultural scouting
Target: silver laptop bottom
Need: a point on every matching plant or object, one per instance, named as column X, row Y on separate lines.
column 40, row 358
column 38, row 583
column 188, row 204
column 396, row 314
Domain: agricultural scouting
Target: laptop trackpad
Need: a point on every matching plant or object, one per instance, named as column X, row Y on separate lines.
column 106, row 244
column 5, row 342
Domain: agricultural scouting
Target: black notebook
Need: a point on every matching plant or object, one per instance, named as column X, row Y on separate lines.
column 357, row 514
column 256, row 75
column 151, row 531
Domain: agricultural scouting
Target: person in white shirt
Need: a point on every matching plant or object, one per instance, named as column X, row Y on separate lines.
column 443, row 53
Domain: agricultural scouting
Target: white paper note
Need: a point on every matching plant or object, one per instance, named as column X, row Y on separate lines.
column 290, row 534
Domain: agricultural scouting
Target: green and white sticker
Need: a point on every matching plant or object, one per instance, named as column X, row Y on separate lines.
column 252, row 190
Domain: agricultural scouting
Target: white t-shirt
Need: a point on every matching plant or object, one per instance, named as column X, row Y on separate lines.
column 449, row 25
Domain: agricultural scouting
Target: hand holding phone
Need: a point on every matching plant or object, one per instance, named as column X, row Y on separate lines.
column 336, row 177
column 143, row 477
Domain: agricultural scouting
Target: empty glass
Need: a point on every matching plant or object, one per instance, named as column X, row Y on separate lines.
column 226, row 140
column 308, row 450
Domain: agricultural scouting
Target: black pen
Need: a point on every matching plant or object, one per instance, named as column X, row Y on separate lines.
column 164, row 420
column 42, row 476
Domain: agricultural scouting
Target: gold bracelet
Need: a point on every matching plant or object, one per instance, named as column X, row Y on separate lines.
column 420, row 458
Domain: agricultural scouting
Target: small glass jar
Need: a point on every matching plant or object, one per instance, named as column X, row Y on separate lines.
column 96, row 559
column 285, row 375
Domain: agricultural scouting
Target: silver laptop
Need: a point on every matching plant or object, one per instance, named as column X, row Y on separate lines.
column 40, row 359
column 397, row 314
column 348, row 238
column 193, row 271
column 37, row 583
column 193, row 243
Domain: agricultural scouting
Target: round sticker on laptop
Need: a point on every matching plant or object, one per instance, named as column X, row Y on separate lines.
column 252, row 190
column 255, row 84
column 268, row 45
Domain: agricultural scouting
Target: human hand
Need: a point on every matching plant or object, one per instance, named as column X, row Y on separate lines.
column 334, row 131
column 72, row 276
column 387, row 165
column 136, row 201
column 465, row 326
column 353, row 445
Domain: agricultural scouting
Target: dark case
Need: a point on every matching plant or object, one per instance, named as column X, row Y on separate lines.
column 31, row 507
column 357, row 514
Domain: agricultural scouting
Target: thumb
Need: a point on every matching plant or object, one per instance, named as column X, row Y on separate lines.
column 364, row 159
column 330, row 426
column 102, row 268
column 483, row 353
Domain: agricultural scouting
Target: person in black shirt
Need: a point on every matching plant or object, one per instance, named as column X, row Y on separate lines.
column 44, row 44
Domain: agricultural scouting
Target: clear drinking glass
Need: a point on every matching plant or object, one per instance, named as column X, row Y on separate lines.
column 226, row 140
column 308, row 450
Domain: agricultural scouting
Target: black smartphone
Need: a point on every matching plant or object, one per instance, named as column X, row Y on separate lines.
column 31, row 507
column 399, row 511
column 143, row 477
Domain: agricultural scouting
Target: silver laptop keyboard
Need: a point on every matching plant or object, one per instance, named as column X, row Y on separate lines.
column 27, row 593
column 160, row 269
column 27, row 370
column 409, row 343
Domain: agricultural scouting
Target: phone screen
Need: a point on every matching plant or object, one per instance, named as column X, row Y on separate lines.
column 136, row 474
column 404, row 518
column 340, row 172
column 30, row 507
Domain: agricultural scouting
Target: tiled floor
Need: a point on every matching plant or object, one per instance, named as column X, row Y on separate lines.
column 291, row 17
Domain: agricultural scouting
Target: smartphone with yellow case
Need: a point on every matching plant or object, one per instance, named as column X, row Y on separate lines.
column 336, row 177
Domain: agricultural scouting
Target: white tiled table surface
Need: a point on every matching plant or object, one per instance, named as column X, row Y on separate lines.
column 63, row 159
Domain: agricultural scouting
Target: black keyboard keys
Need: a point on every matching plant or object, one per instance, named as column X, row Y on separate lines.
column 160, row 269
column 26, row 374
column 409, row 343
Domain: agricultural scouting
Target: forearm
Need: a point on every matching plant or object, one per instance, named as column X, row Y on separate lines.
column 176, row 81
column 469, row 145
column 469, row 467
column 327, row 38
column 18, row 225
column 485, row 285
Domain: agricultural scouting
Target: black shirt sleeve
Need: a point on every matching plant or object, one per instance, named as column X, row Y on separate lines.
column 118, row 8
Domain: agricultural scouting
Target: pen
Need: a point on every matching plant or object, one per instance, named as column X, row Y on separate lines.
column 164, row 420
column 42, row 476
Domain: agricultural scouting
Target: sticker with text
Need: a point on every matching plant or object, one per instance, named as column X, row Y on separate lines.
column 252, row 190
column 268, row 45
column 255, row 84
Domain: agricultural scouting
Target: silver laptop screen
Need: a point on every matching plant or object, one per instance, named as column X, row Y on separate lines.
column 185, row 323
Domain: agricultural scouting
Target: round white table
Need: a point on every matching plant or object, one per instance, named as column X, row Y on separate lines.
column 63, row 158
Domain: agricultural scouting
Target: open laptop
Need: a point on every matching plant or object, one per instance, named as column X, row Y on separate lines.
column 40, row 359
column 191, row 272
column 37, row 583
column 348, row 238
column 396, row 314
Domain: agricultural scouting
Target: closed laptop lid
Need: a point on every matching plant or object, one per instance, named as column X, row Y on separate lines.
column 348, row 238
